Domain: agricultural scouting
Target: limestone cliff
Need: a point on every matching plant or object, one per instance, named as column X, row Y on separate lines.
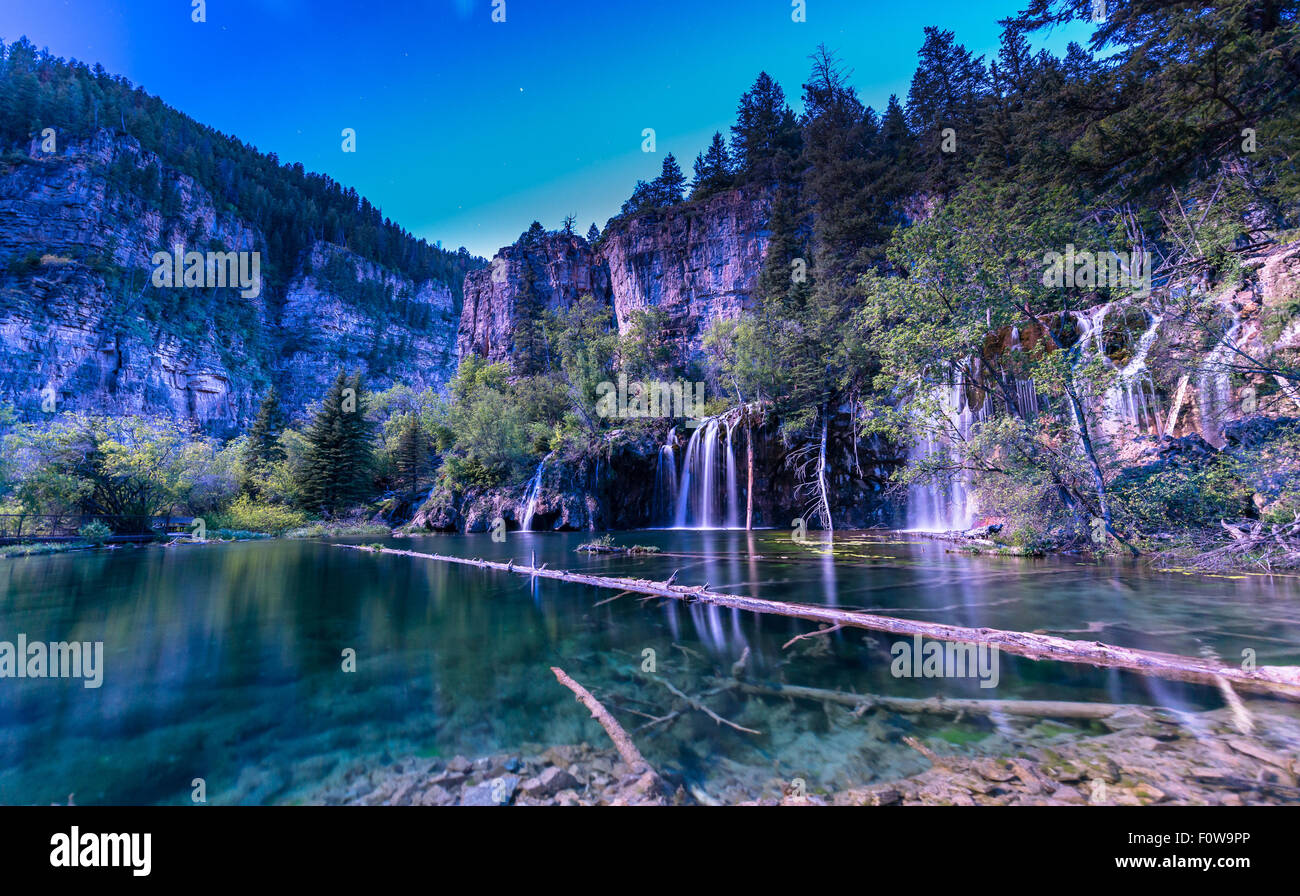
column 82, row 326
column 696, row 262
column 345, row 311
column 549, row 273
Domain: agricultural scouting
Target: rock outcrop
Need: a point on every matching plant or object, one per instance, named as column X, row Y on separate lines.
column 574, row 494
column 695, row 263
column 343, row 310
column 549, row 273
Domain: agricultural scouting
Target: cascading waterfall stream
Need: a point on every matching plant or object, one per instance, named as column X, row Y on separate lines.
column 947, row 504
column 699, row 504
column 1131, row 400
column 529, row 506
column 1214, row 386
column 733, row 493
column 665, row 480
column 1026, row 393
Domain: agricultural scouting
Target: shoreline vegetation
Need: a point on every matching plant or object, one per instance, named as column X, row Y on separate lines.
column 1191, row 559
column 218, row 536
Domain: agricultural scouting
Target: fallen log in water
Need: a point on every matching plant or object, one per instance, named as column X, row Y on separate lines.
column 622, row 742
column 1043, row 709
column 1283, row 681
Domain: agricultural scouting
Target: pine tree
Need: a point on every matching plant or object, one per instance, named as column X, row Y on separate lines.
column 642, row 198
column 263, row 447
column 894, row 134
column 529, row 355
column 339, row 456
column 593, row 233
column 534, row 235
column 668, row 187
column 765, row 137
column 712, row 169
column 787, row 342
column 843, row 162
column 945, row 94
column 411, row 454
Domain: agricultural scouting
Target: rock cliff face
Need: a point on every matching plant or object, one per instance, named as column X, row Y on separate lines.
column 696, row 262
column 83, row 328
column 574, row 495
column 549, row 273
column 345, row 311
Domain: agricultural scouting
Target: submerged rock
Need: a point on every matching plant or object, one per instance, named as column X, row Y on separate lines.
column 550, row 782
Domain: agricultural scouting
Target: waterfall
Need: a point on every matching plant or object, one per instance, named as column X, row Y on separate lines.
column 1026, row 396
column 1131, row 401
column 823, row 487
column 733, row 500
column 944, row 502
column 529, row 506
column 665, row 481
column 1125, row 403
column 1214, row 388
column 699, row 504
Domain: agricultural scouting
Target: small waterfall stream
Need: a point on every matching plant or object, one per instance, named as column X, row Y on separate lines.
column 733, row 492
column 1131, row 400
column 665, row 495
column 1214, row 387
column 946, row 502
column 529, row 505
column 1130, row 404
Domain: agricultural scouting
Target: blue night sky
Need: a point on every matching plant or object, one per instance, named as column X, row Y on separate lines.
column 468, row 130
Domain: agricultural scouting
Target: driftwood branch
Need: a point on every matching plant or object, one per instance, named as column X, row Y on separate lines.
column 1044, row 709
column 622, row 742
column 821, row 631
column 695, row 704
column 1269, row 546
column 1282, row 681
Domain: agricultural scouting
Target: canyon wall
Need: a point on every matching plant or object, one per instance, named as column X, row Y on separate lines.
column 82, row 327
column 696, row 263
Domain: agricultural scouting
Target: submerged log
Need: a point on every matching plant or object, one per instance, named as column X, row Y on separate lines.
column 1282, row 681
column 1043, row 709
column 622, row 742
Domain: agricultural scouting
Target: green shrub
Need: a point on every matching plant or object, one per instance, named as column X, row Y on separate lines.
column 1175, row 496
column 95, row 532
column 462, row 473
column 237, row 535
column 337, row 530
column 1284, row 509
column 249, row 515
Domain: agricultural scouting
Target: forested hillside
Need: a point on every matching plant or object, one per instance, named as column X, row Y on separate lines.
column 294, row 208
